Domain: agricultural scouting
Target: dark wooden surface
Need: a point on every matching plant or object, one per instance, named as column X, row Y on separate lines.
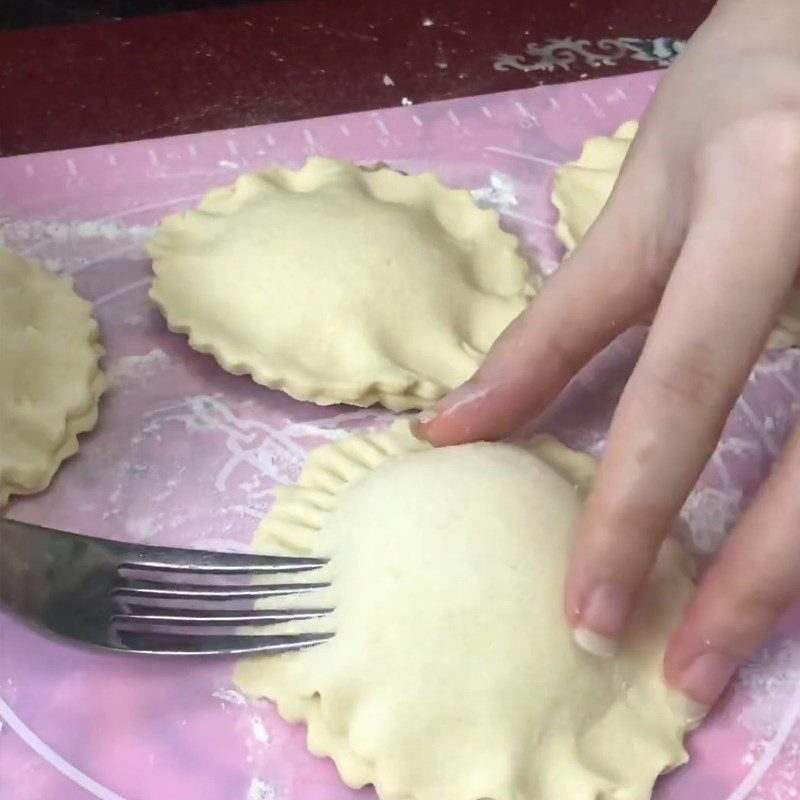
column 39, row 13
column 120, row 79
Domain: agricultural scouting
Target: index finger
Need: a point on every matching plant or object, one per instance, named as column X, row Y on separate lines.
column 612, row 281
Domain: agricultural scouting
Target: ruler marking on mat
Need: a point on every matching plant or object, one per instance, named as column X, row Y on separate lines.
column 525, row 114
column 523, row 156
column 592, row 104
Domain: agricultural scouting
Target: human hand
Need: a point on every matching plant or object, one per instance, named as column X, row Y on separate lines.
column 702, row 228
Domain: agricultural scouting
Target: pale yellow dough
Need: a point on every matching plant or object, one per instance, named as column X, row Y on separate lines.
column 50, row 379
column 452, row 674
column 338, row 284
column 583, row 186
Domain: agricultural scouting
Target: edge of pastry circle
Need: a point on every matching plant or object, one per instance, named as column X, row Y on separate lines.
column 400, row 394
column 333, row 467
column 77, row 421
column 296, row 515
column 293, row 524
column 592, row 158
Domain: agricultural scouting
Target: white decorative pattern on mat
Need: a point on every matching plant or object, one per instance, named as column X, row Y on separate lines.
column 52, row 758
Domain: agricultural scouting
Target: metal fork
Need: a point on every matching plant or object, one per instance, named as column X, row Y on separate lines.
column 112, row 594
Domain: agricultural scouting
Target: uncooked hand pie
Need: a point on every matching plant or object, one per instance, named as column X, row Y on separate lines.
column 452, row 674
column 338, row 284
column 582, row 187
column 50, row 379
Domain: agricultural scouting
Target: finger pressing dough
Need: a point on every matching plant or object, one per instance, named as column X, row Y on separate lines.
column 452, row 674
column 337, row 284
column 50, row 379
column 582, row 187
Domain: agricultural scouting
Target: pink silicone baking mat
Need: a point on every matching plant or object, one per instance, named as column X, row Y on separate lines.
column 188, row 455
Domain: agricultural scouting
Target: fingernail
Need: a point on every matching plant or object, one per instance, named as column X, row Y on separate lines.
column 705, row 678
column 423, row 418
column 460, row 396
column 689, row 710
column 594, row 643
column 602, row 618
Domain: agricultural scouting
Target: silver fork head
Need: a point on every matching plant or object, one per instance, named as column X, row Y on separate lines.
column 80, row 588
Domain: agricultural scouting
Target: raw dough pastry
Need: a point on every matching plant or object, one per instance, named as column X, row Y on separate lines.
column 337, row 284
column 50, row 380
column 583, row 186
column 452, row 674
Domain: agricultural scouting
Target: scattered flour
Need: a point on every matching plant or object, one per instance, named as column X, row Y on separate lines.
column 500, row 194
column 260, row 733
column 142, row 529
column 107, row 230
column 128, row 368
column 231, row 697
column 711, row 513
column 771, row 681
column 260, row 790
column 69, row 247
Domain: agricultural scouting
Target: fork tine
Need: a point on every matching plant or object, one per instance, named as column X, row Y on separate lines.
column 188, row 591
column 173, row 559
column 148, row 615
column 175, row 644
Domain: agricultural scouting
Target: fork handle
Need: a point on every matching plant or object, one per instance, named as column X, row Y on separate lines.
column 20, row 590
column 38, row 564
